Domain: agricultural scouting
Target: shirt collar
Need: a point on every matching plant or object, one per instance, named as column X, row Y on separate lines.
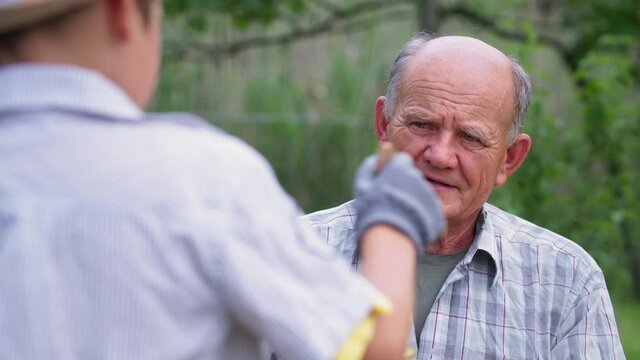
column 484, row 243
column 31, row 86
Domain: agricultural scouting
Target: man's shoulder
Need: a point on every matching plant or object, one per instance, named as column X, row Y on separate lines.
column 522, row 235
column 336, row 226
column 341, row 216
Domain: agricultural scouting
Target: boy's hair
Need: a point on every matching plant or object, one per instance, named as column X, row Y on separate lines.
column 10, row 39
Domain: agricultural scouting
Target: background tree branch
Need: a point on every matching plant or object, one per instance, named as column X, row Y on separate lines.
column 337, row 20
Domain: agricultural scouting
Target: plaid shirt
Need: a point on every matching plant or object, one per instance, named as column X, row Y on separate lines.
column 520, row 292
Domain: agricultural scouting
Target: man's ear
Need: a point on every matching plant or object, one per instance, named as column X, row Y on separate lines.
column 381, row 119
column 516, row 153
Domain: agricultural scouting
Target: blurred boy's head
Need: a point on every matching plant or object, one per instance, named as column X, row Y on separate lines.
column 119, row 38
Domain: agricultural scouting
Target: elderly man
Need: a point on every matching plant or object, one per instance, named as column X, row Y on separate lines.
column 126, row 235
column 496, row 286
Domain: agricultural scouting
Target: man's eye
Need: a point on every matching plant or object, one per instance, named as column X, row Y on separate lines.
column 472, row 142
column 421, row 125
column 470, row 138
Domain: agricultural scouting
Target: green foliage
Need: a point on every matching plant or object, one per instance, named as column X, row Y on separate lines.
column 611, row 128
column 595, row 19
column 243, row 12
column 275, row 95
column 628, row 320
column 346, row 82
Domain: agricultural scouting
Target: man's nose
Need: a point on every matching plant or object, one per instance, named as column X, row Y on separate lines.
column 440, row 151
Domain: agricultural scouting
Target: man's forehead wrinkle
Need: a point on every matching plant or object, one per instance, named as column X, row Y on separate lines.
column 433, row 95
column 463, row 115
column 420, row 89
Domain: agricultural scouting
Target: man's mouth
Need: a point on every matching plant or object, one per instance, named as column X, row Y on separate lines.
column 439, row 183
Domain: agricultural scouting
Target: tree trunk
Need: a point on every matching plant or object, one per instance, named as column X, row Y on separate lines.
column 426, row 15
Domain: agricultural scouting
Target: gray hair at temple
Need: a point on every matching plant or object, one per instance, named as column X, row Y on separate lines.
column 522, row 85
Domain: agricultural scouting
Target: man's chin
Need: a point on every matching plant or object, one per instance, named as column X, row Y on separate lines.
column 450, row 209
column 448, row 195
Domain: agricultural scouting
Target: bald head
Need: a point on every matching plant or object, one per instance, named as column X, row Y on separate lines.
column 456, row 46
column 464, row 63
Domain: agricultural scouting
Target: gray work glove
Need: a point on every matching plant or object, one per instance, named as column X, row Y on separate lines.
column 399, row 196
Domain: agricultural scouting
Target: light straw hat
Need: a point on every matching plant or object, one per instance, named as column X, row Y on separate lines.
column 20, row 14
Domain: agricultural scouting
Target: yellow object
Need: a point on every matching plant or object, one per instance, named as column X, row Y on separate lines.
column 355, row 346
column 409, row 353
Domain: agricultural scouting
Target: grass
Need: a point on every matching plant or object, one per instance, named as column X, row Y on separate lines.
column 628, row 318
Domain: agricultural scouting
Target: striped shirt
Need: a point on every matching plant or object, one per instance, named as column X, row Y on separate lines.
column 125, row 235
column 520, row 292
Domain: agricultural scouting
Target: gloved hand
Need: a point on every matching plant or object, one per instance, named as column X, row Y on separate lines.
column 399, row 196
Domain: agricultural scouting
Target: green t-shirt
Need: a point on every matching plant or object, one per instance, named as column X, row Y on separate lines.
column 432, row 272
